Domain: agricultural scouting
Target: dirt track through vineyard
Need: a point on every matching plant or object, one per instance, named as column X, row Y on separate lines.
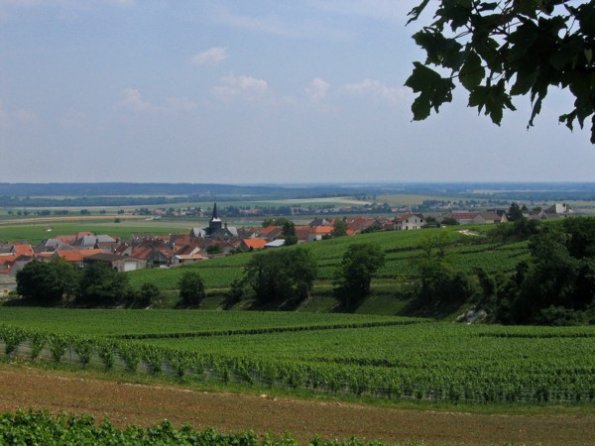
column 124, row 403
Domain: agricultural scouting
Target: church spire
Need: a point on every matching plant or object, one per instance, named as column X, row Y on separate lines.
column 215, row 211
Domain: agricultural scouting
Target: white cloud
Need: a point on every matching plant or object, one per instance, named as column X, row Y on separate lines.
column 133, row 100
column 317, row 89
column 9, row 118
column 369, row 87
column 244, row 87
column 212, row 56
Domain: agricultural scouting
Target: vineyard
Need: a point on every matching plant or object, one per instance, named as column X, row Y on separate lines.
column 34, row 427
column 393, row 359
column 401, row 249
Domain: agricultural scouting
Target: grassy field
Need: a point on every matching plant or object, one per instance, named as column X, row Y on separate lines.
column 34, row 233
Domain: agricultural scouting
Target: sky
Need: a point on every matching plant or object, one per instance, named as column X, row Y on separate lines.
column 248, row 92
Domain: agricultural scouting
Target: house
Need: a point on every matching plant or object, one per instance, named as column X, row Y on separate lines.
column 408, row 222
column 270, row 233
column 116, row 262
column 52, row 244
column 320, row 232
column 560, row 210
column 181, row 259
column 319, row 221
column 76, row 256
column 477, row 218
column 101, row 241
column 275, row 244
column 465, row 218
column 22, row 249
column 302, row 232
column 8, row 283
column 493, row 218
column 253, row 244
column 359, row 224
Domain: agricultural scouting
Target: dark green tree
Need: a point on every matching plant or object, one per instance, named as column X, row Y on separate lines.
column 557, row 286
column 340, row 228
column 46, row 283
column 283, row 276
column 192, row 289
column 148, row 294
column 515, row 213
column 436, row 283
column 500, row 49
column 289, row 233
column 354, row 274
column 102, row 286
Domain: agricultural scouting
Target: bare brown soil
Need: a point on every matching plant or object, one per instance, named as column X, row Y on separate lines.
column 124, row 403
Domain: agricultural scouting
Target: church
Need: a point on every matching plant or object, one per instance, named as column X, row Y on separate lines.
column 217, row 230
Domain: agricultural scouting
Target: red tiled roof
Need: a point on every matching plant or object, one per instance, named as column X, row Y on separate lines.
column 269, row 229
column 7, row 259
column 302, row 232
column 23, row 250
column 77, row 255
column 255, row 243
column 322, row 229
column 67, row 239
column 141, row 252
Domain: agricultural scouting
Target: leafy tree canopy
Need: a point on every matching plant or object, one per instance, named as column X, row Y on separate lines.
column 46, row 283
column 340, row 228
column 354, row 274
column 100, row 285
column 500, row 49
column 281, row 276
column 192, row 289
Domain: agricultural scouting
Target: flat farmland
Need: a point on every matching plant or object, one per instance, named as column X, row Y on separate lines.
column 35, row 231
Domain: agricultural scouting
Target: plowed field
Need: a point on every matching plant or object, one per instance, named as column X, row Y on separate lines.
column 124, row 403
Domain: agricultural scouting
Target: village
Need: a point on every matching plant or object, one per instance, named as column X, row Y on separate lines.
column 220, row 239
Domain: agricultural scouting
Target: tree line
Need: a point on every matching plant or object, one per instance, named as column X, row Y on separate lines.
column 97, row 285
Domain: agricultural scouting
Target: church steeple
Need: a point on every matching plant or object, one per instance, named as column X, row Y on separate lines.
column 215, row 224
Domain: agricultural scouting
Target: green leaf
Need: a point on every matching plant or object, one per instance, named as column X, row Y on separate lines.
column 524, row 82
column 421, row 78
column 472, row 72
column 434, row 90
column 493, row 98
column 421, row 108
column 416, row 11
column 440, row 50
